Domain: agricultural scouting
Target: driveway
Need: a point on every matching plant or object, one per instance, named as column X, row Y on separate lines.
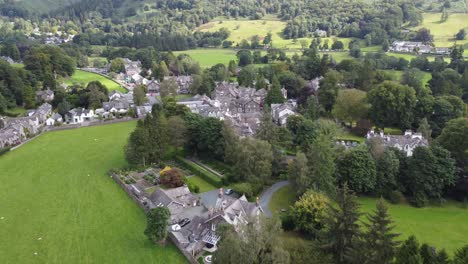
column 266, row 195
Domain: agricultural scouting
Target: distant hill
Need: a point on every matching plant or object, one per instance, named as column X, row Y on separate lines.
column 36, row 6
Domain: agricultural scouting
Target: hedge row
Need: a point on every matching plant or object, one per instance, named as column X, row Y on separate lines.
column 4, row 150
column 204, row 174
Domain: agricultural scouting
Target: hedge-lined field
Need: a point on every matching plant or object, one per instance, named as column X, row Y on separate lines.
column 84, row 77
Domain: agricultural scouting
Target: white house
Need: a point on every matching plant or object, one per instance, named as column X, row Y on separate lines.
column 79, row 115
column 406, row 143
column 56, row 118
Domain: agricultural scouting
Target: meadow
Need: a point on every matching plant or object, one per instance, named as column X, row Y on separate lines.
column 440, row 226
column 246, row 29
column 444, row 32
column 84, row 77
column 57, row 201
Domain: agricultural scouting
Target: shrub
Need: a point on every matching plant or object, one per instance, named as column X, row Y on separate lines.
column 419, row 200
column 395, row 197
column 172, row 178
column 287, row 222
column 244, row 188
column 193, row 187
column 4, row 150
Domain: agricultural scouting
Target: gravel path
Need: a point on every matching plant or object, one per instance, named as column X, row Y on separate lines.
column 266, row 195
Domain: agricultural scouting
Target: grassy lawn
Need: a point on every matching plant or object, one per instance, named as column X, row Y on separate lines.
column 442, row 227
column 204, row 186
column 347, row 136
column 17, row 111
column 210, row 57
column 83, row 77
column 444, row 32
column 57, row 200
column 282, row 199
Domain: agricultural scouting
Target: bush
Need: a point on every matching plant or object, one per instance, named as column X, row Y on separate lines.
column 204, row 174
column 395, row 197
column 4, row 150
column 193, row 187
column 287, row 222
column 244, row 188
column 172, row 178
column 419, row 200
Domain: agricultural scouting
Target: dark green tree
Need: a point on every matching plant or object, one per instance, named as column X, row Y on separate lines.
column 341, row 225
column 357, row 168
column 157, row 222
column 461, row 256
column 275, row 96
column 454, row 138
column 409, row 252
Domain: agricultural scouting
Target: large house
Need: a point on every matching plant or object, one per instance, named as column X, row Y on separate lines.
column 45, row 95
column 281, row 112
column 79, row 115
column 417, row 47
column 206, row 214
column 183, row 81
column 406, row 143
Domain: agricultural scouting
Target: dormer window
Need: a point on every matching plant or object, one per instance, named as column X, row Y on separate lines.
column 213, row 227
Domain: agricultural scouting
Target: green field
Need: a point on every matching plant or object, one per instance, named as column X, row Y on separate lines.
column 57, row 200
column 246, row 29
column 83, row 78
column 209, row 57
column 444, row 32
column 442, row 227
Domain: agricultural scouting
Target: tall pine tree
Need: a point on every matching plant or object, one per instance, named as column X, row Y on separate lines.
column 380, row 244
column 409, row 252
column 342, row 226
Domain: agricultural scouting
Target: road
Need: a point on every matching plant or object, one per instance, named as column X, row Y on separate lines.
column 266, row 195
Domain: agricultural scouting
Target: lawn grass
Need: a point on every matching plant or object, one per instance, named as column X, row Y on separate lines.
column 57, row 200
column 347, row 136
column 246, row 29
column 17, row 111
column 442, row 227
column 444, row 32
column 84, row 77
column 209, row 57
column 282, row 199
column 204, row 185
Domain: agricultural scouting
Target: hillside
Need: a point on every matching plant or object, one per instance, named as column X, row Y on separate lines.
column 42, row 6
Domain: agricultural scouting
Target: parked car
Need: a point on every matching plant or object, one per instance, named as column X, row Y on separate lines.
column 176, row 227
column 228, row 191
column 184, row 222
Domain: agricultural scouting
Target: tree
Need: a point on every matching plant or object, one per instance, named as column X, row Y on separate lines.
column 160, row 71
column 63, row 107
column 308, row 212
column 139, row 95
column 253, row 243
column 169, row 87
column 445, row 108
column 232, row 68
column 244, row 57
column 172, row 178
column 413, row 77
column 267, row 130
column 247, row 76
column 231, row 143
column 117, row 66
column 461, row 256
column 461, row 34
column 454, row 138
column 299, row 174
column 177, row 131
column 388, row 168
column 254, row 159
column 96, row 94
column 137, row 148
column 357, row 168
column 392, row 104
column 275, row 96
column 424, row 35
column 329, row 87
column 351, row 105
column 380, row 245
column 322, row 164
column 430, row 171
column 157, row 222
column 313, row 108
column 409, row 252
column 337, row 45
column 341, row 225
column 425, row 129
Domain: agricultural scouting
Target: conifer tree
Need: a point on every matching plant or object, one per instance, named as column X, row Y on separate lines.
column 274, row 96
column 409, row 252
column 342, row 226
column 380, row 241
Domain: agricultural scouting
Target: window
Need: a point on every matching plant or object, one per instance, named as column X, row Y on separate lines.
column 213, row 227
